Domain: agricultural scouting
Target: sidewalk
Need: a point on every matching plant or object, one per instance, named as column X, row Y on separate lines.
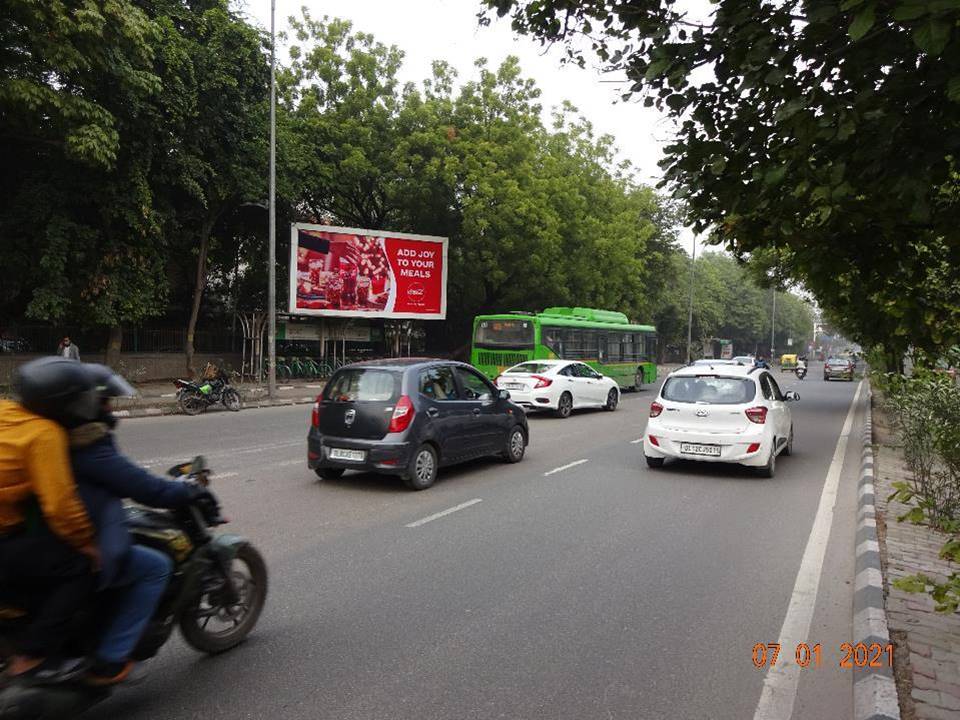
column 928, row 642
column 160, row 398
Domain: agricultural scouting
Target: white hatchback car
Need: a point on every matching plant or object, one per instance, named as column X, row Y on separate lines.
column 730, row 413
column 558, row 385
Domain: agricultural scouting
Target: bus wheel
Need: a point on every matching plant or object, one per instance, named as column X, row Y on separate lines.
column 638, row 380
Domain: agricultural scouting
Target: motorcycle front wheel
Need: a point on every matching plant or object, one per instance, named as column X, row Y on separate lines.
column 231, row 400
column 212, row 626
column 192, row 402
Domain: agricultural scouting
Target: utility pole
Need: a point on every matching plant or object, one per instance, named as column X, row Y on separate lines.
column 773, row 322
column 693, row 258
column 272, row 270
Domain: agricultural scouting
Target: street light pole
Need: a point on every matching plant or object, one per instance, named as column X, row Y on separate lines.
column 773, row 322
column 272, row 270
column 693, row 258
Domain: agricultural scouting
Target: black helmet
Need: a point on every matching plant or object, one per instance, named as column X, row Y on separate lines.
column 57, row 388
column 109, row 383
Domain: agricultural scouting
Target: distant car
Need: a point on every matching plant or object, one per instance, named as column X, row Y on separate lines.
column 841, row 368
column 409, row 417
column 559, row 385
column 744, row 359
column 734, row 414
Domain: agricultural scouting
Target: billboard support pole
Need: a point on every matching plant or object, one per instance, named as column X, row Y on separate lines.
column 272, row 270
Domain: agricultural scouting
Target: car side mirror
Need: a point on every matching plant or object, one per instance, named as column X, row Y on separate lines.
column 791, row 396
column 503, row 394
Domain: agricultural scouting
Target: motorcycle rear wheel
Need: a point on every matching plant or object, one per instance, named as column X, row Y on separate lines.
column 242, row 617
column 191, row 402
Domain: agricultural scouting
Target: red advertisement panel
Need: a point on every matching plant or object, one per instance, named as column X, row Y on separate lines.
column 350, row 272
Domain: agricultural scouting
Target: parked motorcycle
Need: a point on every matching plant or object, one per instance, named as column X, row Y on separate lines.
column 801, row 372
column 195, row 397
column 215, row 596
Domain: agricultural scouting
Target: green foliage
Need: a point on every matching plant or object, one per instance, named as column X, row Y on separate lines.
column 825, row 129
column 946, row 595
column 927, row 410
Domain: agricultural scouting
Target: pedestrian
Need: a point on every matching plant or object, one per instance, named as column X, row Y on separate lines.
column 67, row 349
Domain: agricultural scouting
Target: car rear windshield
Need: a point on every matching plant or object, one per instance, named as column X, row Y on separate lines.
column 504, row 333
column 363, row 385
column 530, row 368
column 712, row 390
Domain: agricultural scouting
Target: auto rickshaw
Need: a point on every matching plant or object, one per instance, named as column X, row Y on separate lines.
column 788, row 363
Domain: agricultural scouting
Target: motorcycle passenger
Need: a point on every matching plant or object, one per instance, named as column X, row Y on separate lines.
column 47, row 548
column 761, row 362
column 105, row 478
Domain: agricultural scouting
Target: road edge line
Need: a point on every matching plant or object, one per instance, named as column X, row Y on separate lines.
column 874, row 689
column 781, row 682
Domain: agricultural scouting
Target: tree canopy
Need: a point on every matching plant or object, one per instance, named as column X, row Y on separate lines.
column 826, row 130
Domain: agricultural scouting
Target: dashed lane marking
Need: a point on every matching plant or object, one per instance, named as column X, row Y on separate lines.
column 443, row 513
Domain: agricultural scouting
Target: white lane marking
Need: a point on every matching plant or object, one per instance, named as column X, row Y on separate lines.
column 780, row 685
column 169, row 395
column 292, row 462
column 566, row 467
column 442, row 513
column 637, row 441
column 217, row 476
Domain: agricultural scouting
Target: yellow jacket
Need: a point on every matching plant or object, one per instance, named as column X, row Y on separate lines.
column 35, row 462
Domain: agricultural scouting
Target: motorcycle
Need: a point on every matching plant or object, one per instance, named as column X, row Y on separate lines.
column 801, row 372
column 195, row 397
column 215, row 596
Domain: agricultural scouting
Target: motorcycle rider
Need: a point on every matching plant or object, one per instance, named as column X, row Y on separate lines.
column 106, row 477
column 47, row 547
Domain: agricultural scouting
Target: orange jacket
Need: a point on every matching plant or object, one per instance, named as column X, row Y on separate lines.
column 35, row 462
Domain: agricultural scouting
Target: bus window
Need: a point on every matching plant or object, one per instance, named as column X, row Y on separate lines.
column 504, row 333
column 614, row 348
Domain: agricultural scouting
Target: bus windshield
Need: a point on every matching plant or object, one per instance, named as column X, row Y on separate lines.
column 504, row 333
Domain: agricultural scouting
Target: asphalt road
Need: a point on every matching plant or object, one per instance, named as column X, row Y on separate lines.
column 605, row 590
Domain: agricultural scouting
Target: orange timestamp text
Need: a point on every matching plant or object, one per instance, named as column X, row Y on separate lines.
column 853, row 655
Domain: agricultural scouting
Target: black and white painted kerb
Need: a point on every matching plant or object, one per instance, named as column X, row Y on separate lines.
column 874, row 689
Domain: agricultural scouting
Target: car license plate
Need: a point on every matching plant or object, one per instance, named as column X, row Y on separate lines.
column 344, row 454
column 693, row 449
column 513, row 386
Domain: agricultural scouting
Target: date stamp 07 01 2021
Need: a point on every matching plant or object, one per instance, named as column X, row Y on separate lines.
column 859, row 655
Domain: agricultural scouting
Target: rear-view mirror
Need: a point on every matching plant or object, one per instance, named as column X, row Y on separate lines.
column 791, row 396
column 504, row 394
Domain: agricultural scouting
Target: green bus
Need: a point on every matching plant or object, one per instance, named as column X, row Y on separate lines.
column 604, row 339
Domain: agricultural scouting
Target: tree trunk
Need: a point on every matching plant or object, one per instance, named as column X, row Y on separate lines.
column 114, row 343
column 198, row 287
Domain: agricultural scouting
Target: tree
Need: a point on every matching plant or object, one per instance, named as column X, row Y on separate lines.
column 212, row 121
column 828, row 129
column 536, row 216
column 76, row 82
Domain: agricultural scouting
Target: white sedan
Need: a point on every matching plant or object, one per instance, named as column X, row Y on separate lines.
column 728, row 413
column 559, row 385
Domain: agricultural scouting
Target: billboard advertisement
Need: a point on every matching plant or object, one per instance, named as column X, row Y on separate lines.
column 352, row 272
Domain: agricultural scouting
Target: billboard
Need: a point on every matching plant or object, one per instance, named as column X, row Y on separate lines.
column 352, row 272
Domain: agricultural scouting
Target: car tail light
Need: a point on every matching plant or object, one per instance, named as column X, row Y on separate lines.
column 655, row 409
column 315, row 415
column 653, row 440
column 753, row 447
column 402, row 415
column 496, row 381
column 756, row 415
column 542, row 382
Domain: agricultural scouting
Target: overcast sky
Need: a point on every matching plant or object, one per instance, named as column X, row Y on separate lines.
column 428, row 30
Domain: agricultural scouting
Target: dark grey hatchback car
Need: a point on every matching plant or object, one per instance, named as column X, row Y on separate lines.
column 409, row 417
